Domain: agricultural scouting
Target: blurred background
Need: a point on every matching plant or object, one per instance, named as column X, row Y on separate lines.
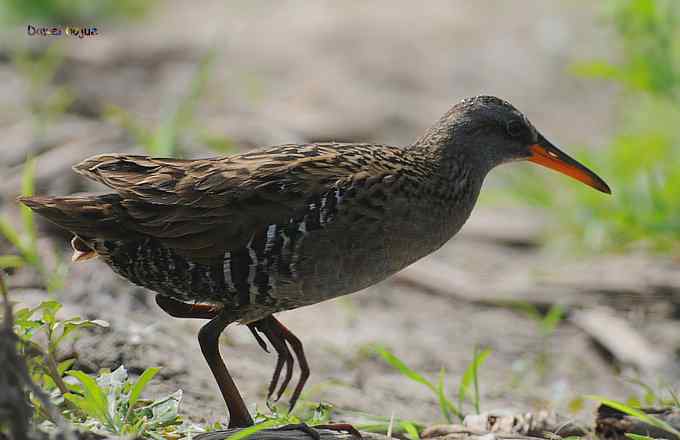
column 572, row 292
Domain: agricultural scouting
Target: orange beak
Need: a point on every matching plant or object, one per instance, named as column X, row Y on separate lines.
column 546, row 154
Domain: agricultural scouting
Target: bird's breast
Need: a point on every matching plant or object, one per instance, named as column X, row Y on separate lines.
column 360, row 248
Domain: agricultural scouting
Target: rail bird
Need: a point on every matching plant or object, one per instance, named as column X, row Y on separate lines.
column 242, row 237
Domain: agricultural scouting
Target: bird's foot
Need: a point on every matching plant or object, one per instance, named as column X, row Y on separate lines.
column 280, row 339
column 313, row 432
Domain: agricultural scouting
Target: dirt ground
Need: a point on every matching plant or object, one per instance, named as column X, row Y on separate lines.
column 379, row 71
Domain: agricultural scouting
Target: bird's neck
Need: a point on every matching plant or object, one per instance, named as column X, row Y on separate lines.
column 451, row 149
column 448, row 193
column 453, row 170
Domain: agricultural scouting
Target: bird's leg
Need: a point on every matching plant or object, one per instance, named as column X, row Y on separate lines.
column 180, row 309
column 276, row 333
column 208, row 338
column 280, row 338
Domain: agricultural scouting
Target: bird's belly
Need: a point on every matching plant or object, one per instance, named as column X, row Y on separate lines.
column 149, row 264
column 336, row 264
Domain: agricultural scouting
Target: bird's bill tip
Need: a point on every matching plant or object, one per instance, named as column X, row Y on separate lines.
column 551, row 157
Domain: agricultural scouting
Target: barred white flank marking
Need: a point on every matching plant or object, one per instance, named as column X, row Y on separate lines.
column 323, row 212
column 269, row 244
column 227, row 271
column 302, row 227
column 252, row 271
column 271, row 239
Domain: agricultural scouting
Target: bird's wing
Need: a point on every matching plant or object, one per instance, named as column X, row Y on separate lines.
column 206, row 206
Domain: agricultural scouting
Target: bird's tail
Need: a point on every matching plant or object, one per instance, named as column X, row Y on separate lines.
column 86, row 216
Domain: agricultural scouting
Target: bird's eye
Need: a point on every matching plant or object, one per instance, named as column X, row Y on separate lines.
column 514, row 128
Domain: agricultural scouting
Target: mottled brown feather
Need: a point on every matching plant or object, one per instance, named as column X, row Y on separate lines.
column 206, row 206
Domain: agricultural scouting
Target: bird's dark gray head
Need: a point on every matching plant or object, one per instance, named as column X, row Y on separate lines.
column 485, row 131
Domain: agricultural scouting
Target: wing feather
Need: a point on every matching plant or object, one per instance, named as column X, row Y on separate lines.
column 206, row 206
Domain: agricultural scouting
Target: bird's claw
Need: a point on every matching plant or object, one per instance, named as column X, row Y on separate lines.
column 281, row 339
column 255, row 331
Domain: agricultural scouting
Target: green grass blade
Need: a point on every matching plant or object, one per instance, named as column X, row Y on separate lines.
column 552, row 319
column 441, row 396
column 447, row 407
column 11, row 262
column 376, row 428
column 410, row 429
column 470, row 378
column 84, row 405
column 11, row 234
column 479, row 361
column 638, row 436
column 65, row 365
column 138, row 387
column 164, row 140
column 95, row 397
column 400, row 366
column 638, row 414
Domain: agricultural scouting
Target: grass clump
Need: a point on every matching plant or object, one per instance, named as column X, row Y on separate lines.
column 42, row 334
column 108, row 403
column 111, row 404
column 468, row 390
column 640, row 163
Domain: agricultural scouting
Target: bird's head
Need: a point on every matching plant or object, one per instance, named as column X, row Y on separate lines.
column 489, row 131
